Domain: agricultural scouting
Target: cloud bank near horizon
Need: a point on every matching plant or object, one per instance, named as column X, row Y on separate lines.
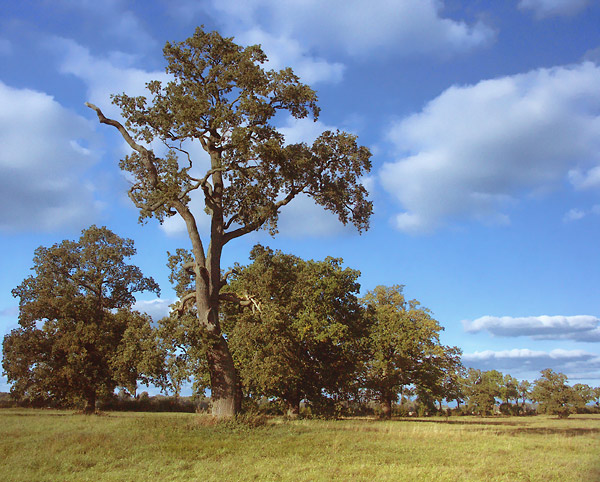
column 584, row 328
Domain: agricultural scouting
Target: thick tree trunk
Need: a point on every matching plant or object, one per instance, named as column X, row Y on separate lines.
column 293, row 408
column 90, row 402
column 386, row 406
column 223, row 381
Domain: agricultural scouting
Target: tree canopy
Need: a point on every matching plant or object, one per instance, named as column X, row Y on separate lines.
column 403, row 340
column 222, row 98
column 304, row 337
column 78, row 337
column 553, row 394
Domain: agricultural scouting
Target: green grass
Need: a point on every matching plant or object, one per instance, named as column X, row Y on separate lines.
column 49, row 445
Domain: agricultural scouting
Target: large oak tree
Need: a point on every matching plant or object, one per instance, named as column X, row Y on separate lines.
column 78, row 337
column 222, row 98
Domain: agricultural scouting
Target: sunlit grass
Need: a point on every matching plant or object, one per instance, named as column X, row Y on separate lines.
column 42, row 445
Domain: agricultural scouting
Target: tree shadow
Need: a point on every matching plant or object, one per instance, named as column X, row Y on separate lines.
column 566, row 431
column 482, row 421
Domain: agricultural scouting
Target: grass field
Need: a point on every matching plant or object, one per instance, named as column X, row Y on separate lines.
column 49, row 445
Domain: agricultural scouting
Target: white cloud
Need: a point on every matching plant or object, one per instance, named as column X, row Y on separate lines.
column 283, row 51
column 156, row 308
column 360, row 28
column 104, row 76
column 580, row 327
column 303, row 130
column 573, row 215
column 305, row 218
column 550, row 8
column 528, row 363
column 474, row 150
column 41, row 163
column 113, row 19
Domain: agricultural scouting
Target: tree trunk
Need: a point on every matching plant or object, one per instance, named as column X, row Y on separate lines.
column 90, row 402
column 386, row 406
column 293, row 408
column 223, row 380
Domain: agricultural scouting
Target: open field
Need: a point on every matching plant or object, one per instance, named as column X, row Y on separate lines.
column 50, row 445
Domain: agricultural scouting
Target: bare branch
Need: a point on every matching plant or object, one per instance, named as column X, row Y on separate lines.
column 147, row 156
column 183, row 301
column 245, row 300
column 226, row 275
column 248, row 228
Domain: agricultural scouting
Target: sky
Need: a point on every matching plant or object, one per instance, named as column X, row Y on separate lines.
column 483, row 118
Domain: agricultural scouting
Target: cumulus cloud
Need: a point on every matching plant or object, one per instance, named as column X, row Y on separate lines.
column 305, row 218
column 156, row 308
column 573, row 215
column 550, row 8
column 283, row 51
column 112, row 74
column 579, row 328
column 473, row 151
column 113, row 19
column 42, row 162
column 527, row 363
column 359, row 28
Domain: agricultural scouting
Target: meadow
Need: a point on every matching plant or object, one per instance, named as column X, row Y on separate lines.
column 53, row 445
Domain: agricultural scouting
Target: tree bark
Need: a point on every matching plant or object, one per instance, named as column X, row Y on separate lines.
column 223, row 380
column 386, row 406
column 90, row 402
column 293, row 408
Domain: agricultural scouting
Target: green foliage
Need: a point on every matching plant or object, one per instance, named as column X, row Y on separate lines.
column 553, row 394
column 302, row 337
column 184, row 344
column 78, row 338
column 223, row 98
column 482, row 388
column 403, row 343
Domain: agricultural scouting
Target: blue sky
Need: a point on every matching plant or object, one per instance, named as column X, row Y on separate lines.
column 483, row 118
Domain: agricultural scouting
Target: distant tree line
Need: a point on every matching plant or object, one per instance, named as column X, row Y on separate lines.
column 300, row 337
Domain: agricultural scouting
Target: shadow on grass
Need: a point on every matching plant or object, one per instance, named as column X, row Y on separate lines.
column 482, row 421
column 516, row 427
column 566, row 431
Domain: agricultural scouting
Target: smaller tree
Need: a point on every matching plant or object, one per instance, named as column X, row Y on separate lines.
column 403, row 336
column 524, row 390
column 76, row 329
column 482, row 388
column 596, row 396
column 553, row 394
column 584, row 394
column 509, row 390
column 139, row 356
column 184, row 344
column 439, row 376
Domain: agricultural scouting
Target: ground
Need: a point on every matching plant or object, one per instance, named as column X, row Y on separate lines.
column 50, row 445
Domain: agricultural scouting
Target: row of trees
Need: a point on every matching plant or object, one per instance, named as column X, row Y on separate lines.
column 299, row 333
column 483, row 389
